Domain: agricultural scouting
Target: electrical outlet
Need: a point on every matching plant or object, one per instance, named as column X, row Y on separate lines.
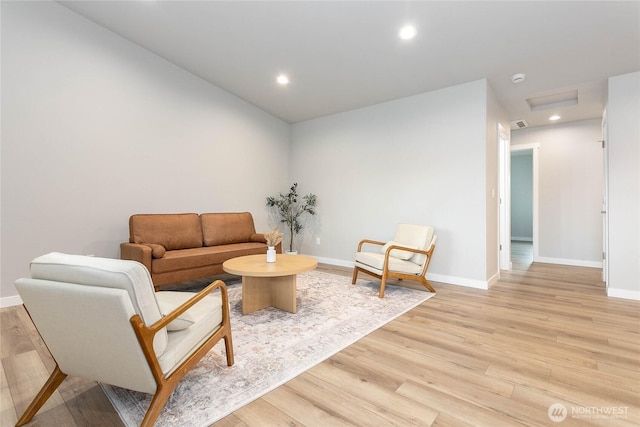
column 317, row 241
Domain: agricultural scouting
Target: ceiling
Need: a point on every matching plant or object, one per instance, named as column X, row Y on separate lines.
column 344, row 55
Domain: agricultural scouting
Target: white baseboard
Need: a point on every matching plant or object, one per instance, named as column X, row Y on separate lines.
column 332, row 261
column 623, row 293
column 492, row 280
column 10, row 301
column 573, row 262
column 460, row 281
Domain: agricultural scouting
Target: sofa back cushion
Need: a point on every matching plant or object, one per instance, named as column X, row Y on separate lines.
column 226, row 228
column 172, row 231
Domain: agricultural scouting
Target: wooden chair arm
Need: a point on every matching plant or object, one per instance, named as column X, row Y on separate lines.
column 190, row 303
column 417, row 251
column 425, row 266
column 372, row 242
column 145, row 334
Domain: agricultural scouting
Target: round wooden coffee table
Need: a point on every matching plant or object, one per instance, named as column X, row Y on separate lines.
column 269, row 284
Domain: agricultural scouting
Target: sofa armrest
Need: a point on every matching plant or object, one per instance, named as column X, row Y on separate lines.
column 136, row 252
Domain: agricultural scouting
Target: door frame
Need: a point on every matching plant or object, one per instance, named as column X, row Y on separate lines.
column 605, row 201
column 504, row 199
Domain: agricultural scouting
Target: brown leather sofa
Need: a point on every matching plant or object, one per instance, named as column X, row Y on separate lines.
column 179, row 247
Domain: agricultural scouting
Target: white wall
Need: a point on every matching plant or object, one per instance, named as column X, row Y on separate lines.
column 570, row 191
column 95, row 129
column 522, row 195
column 419, row 159
column 623, row 119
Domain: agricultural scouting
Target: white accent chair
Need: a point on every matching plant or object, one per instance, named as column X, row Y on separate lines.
column 101, row 320
column 406, row 256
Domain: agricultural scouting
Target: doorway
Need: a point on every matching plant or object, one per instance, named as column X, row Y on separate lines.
column 524, row 203
column 522, row 207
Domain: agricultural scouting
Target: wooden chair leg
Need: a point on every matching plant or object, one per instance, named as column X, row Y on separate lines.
column 428, row 285
column 54, row 381
column 383, row 284
column 228, row 349
column 355, row 275
column 157, row 403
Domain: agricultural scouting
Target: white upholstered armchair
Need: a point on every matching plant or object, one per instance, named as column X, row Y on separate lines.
column 406, row 256
column 101, row 319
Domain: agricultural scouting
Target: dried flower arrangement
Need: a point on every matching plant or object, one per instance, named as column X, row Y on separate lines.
column 273, row 237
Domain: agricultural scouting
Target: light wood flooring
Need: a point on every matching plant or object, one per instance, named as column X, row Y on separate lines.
column 521, row 254
column 544, row 334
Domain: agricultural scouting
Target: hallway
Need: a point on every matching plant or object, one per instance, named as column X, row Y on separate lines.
column 521, row 254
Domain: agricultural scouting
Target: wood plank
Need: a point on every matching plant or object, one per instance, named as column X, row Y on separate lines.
column 26, row 374
column 86, row 402
column 469, row 413
column 8, row 415
column 543, row 399
column 303, row 409
column 380, row 391
column 262, row 412
column 12, row 336
column 352, row 400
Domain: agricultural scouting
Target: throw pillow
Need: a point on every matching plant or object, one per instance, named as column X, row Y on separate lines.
column 157, row 251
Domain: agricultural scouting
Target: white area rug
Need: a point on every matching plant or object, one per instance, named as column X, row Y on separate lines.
column 272, row 346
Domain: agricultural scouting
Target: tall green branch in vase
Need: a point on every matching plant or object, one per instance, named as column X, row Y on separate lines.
column 291, row 210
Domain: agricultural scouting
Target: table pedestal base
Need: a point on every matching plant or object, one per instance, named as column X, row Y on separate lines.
column 262, row 292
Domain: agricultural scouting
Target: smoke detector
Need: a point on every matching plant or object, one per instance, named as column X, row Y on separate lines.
column 517, row 78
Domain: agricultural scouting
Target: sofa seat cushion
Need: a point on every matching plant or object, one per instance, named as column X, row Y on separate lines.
column 203, row 314
column 376, row 261
column 200, row 257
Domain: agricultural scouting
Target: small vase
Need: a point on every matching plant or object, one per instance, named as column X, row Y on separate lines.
column 271, row 254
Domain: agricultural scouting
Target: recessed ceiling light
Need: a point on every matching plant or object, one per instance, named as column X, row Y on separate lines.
column 282, row 79
column 407, row 32
column 554, row 117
